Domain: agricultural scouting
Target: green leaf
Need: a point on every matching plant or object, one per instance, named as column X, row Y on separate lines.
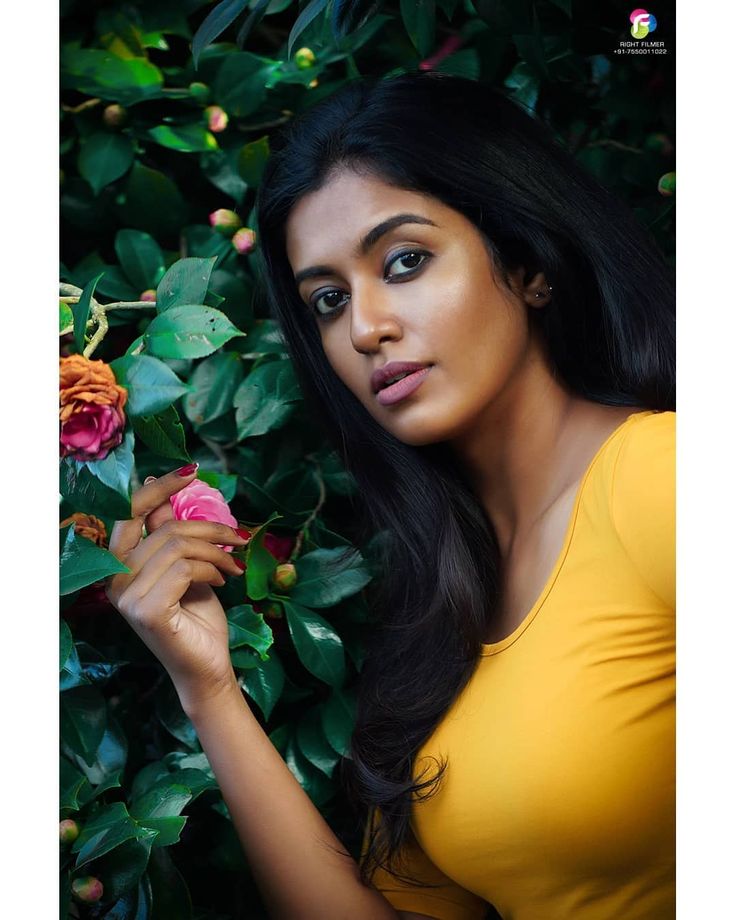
column 338, row 720
column 72, row 674
column 163, row 433
column 184, row 283
column 170, row 893
column 189, row 331
column 152, row 386
column 326, row 576
column 105, row 771
column 247, row 628
column 214, row 24
column 66, row 642
column 80, row 311
column 310, row 737
column 252, row 160
column 164, row 801
column 260, row 564
column 318, row 645
column 265, row 683
column 105, row 157
column 220, row 167
column 212, row 387
column 121, row 870
column 310, row 12
column 265, row 399
column 141, row 258
column 117, row 467
column 151, row 201
column 66, row 317
column 85, row 492
column 104, row 74
column 419, row 22
column 71, row 782
column 264, row 339
column 82, row 563
column 83, row 718
column 242, row 81
column 170, row 713
column 184, row 138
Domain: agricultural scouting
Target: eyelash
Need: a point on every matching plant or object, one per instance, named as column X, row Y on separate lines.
column 326, row 317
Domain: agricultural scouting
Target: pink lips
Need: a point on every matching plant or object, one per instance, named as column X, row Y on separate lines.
column 402, row 388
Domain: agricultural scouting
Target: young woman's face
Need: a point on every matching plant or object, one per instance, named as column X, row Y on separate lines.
column 424, row 291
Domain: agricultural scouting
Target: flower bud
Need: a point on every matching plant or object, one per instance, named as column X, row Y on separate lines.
column 68, row 831
column 313, row 83
column 284, row 576
column 244, row 240
column 273, row 611
column 114, row 115
column 200, row 91
column 666, row 184
column 304, row 58
column 149, row 294
column 87, row 888
column 217, row 118
column 225, row 221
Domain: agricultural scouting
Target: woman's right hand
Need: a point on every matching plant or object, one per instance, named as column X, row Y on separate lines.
column 167, row 597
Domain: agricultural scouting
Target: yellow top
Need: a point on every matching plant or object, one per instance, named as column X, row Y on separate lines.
column 559, row 796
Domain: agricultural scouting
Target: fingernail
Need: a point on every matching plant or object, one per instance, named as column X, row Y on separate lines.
column 149, row 479
column 187, row 470
column 239, row 562
column 241, row 532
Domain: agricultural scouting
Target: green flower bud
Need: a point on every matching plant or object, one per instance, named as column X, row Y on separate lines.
column 217, row 118
column 149, row 294
column 87, row 888
column 68, row 831
column 200, row 92
column 284, row 576
column 666, row 184
column 114, row 115
column 244, row 240
column 225, row 221
column 304, row 58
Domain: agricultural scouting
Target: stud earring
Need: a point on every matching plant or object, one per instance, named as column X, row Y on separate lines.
column 542, row 293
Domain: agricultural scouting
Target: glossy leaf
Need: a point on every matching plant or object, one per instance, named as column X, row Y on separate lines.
column 71, row 782
column 121, row 869
column 214, row 24
column 318, row 645
column 212, row 386
column 171, row 715
column 100, row 73
column 419, row 21
column 151, row 201
column 171, row 897
column 184, row 138
column 85, row 492
column 223, row 482
column 184, row 283
column 81, row 310
column 260, row 564
column 242, row 82
column 326, row 576
column 83, row 563
column 247, row 628
column 338, row 720
column 310, row 12
column 66, row 317
column 66, row 642
column 313, row 743
column 152, row 386
column 265, row 399
column 252, row 161
column 83, row 719
column 141, row 258
column 105, row 157
column 163, row 433
column 189, row 331
column 117, row 467
column 254, row 17
column 265, row 683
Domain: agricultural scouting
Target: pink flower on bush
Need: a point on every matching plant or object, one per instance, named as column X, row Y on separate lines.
column 91, row 407
column 244, row 240
column 217, row 118
column 201, row 502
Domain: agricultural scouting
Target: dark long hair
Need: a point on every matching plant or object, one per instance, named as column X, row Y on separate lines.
column 609, row 329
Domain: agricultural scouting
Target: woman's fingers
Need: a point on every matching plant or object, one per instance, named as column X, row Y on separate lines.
column 214, row 533
column 160, row 515
column 148, row 564
column 146, row 600
column 126, row 535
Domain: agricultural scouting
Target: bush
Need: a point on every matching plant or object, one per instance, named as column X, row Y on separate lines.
column 161, row 158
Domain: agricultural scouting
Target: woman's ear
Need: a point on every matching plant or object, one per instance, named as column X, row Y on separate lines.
column 532, row 287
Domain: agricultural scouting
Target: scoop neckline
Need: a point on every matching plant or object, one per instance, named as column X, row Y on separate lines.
column 488, row 649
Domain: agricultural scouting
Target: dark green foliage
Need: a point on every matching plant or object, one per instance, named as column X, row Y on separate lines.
column 143, row 165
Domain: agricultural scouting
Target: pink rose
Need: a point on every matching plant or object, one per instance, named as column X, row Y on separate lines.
column 201, row 502
column 92, row 432
column 91, row 407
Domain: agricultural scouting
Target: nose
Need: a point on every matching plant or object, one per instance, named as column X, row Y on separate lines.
column 372, row 319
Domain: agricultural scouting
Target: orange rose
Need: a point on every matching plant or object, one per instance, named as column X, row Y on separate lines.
column 89, row 526
column 90, row 408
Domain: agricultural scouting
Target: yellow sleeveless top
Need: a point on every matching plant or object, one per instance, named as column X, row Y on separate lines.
column 558, row 802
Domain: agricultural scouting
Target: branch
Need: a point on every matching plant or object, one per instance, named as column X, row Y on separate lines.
column 71, row 294
column 322, row 498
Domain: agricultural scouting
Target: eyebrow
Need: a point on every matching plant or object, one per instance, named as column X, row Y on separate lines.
column 366, row 244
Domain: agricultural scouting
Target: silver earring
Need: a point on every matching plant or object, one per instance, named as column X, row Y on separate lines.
column 542, row 293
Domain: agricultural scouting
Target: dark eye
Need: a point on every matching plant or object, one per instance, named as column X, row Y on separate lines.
column 411, row 259
column 332, row 302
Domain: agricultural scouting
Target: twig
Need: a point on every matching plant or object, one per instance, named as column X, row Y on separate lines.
column 71, row 294
column 87, row 104
column 322, row 498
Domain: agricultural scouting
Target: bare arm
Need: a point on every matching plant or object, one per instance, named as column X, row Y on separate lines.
column 289, row 846
column 300, row 866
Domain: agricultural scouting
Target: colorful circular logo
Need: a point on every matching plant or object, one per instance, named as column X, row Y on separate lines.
column 642, row 23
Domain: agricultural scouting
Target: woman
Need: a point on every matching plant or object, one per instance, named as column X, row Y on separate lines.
column 514, row 743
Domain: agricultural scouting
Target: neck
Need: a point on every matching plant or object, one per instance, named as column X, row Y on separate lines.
column 516, row 454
